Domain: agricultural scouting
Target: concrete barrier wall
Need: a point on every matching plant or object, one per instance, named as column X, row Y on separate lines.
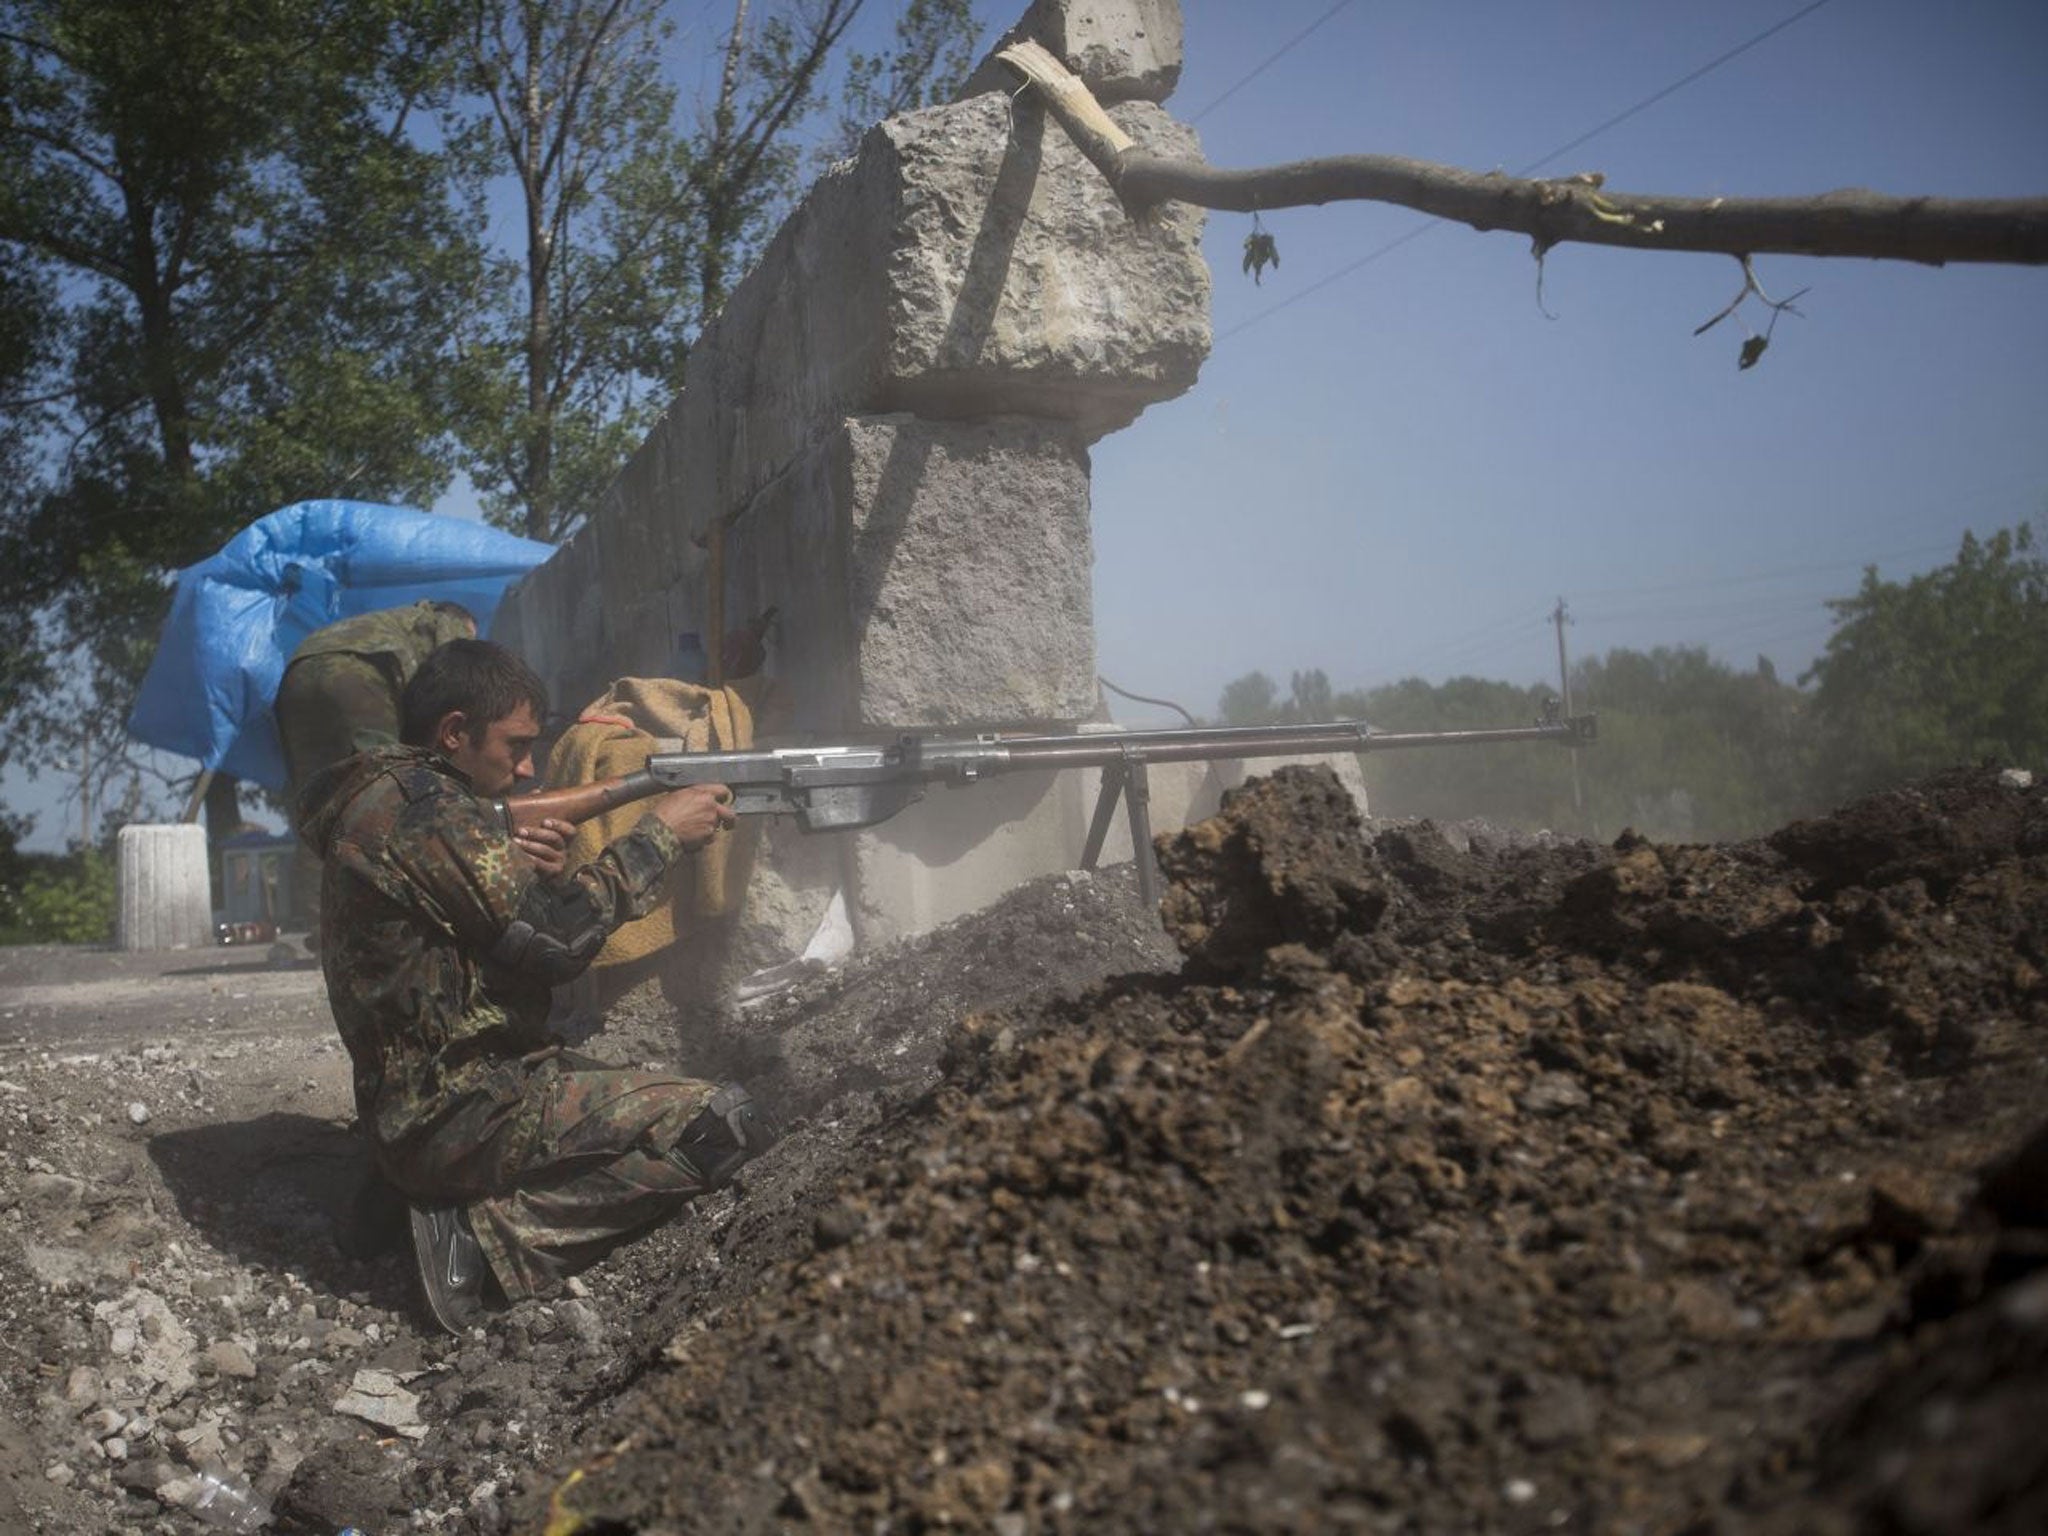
column 884, row 436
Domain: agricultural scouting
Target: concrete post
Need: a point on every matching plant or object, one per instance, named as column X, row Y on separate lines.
column 884, row 436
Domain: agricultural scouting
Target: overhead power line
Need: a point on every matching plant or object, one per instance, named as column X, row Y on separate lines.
column 1673, row 88
column 1536, row 165
column 1270, row 60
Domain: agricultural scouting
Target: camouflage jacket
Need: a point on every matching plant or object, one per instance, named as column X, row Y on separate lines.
column 397, row 638
column 441, row 942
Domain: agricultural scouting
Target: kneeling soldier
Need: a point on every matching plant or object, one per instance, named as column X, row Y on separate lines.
column 442, row 936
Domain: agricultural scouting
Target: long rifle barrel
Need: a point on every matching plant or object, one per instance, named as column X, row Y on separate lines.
column 832, row 787
column 1230, row 743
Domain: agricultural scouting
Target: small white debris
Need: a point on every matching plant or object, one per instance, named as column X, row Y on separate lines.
column 138, row 1113
column 2016, row 778
column 1255, row 1398
column 378, row 1398
column 1518, row 1490
column 1296, row 1330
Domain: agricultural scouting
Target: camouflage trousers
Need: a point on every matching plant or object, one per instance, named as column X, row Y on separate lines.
column 559, row 1159
column 329, row 707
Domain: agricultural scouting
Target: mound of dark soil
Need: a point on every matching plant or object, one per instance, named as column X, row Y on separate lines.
column 1443, row 1189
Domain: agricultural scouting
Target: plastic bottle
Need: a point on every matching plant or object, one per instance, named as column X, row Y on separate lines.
column 230, row 1504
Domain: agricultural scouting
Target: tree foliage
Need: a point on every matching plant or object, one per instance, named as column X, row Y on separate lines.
column 633, row 224
column 1947, row 667
column 243, row 263
column 226, row 271
column 59, row 900
column 1688, row 747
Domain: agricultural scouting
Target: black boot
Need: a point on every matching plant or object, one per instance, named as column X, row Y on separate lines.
column 451, row 1266
column 728, row 1131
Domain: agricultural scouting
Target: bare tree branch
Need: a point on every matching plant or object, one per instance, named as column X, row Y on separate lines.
column 1850, row 222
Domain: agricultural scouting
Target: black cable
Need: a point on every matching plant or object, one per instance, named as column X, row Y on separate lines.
column 1271, row 59
column 1139, row 698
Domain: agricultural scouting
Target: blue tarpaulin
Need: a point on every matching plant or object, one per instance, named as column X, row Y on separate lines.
column 238, row 616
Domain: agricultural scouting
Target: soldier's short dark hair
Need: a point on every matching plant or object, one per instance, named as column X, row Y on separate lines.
column 482, row 679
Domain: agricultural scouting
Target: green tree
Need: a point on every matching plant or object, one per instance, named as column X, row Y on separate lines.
column 633, row 227
column 1688, row 747
column 1520, row 784
column 1948, row 667
column 227, row 270
column 61, row 900
column 1253, row 699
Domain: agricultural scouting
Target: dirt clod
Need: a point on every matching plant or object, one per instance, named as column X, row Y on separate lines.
column 1440, row 1183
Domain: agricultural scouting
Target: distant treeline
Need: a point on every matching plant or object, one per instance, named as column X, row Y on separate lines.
column 1948, row 667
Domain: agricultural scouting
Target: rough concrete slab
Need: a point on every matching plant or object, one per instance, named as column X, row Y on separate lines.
column 929, row 573
column 554, row 619
column 969, row 568
column 1021, row 284
column 1122, row 50
column 967, row 262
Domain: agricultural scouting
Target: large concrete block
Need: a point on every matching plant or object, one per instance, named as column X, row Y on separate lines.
column 929, row 573
column 164, row 901
column 553, row 617
column 1020, row 283
column 1122, row 50
column 959, row 849
column 967, row 262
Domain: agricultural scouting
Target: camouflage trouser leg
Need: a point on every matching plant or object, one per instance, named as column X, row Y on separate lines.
column 561, row 1161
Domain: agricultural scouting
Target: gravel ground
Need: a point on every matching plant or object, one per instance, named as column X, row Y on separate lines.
column 1403, row 1183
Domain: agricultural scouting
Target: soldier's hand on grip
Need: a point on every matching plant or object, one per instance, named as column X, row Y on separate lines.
column 546, row 843
column 696, row 813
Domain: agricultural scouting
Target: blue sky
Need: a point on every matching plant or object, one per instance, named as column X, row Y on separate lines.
column 1397, row 470
column 1395, row 465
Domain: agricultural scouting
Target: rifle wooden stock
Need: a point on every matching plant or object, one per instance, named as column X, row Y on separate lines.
column 576, row 803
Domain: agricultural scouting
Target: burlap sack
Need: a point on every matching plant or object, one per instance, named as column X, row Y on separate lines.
column 616, row 734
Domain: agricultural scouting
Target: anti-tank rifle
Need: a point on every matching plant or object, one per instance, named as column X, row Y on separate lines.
column 838, row 787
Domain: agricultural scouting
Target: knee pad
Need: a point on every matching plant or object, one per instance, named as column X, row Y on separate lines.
column 730, row 1130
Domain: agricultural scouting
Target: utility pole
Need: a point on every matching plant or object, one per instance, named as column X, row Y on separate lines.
column 85, row 786
column 1559, row 617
